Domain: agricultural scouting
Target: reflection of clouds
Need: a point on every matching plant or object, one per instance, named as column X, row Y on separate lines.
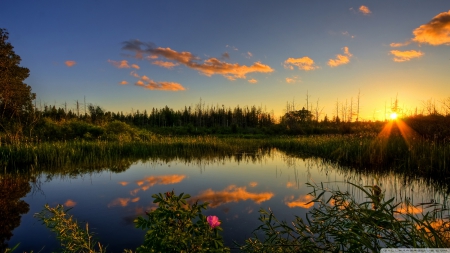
column 150, row 181
column 253, row 184
column 439, row 225
column 70, row 203
column 342, row 204
column 301, row 201
column 406, row 208
column 123, row 183
column 122, row 201
column 290, row 185
column 231, row 194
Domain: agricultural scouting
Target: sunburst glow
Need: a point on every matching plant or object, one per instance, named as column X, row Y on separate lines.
column 393, row 115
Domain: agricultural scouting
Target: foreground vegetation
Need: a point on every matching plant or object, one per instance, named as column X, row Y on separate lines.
column 336, row 223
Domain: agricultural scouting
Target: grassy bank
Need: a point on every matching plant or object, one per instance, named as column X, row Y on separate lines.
column 416, row 157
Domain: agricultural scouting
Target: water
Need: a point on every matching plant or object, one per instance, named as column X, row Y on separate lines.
column 236, row 187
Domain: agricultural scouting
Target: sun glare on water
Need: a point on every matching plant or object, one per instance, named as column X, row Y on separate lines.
column 393, row 115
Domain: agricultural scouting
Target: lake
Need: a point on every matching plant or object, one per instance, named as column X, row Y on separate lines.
column 236, row 186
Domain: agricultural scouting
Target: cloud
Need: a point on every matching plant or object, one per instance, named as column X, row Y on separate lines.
column 231, row 194
column 147, row 83
column 364, row 10
column 225, row 55
column 290, row 185
column 232, row 47
column 124, row 83
column 123, row 183
column 252, row 80
column 294, row 79
column 304, row 63
column 401, row 56
column 165, row 64
column 70, row 63
column 122, row 201
column 120, row 64
column 208, row 67
column 340, row 59
column 407, row 208
column 301, row 201
column 399, row 44
column 248, row 55
column 135, row 66
column 147, row 182
column 348, row 34
column 436, row 32
column 70, row 203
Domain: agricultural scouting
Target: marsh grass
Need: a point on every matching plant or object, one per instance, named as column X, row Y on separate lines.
column 417, row 157
column 339, row 223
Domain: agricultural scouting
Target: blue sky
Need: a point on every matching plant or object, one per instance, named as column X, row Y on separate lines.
column 136, row 55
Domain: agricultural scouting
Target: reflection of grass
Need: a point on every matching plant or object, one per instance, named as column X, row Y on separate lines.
column 338, row 223
column 415, row 156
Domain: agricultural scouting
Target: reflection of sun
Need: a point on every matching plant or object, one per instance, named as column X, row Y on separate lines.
column 393, row 115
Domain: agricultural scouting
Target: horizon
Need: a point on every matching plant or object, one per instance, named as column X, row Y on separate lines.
column 128, row 57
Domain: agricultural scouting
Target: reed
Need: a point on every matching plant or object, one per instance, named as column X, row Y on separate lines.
column 367, row 152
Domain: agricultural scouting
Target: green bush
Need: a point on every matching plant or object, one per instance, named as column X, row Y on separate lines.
column 177, row 226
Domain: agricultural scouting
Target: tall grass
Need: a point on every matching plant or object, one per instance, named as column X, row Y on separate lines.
column 368, row 152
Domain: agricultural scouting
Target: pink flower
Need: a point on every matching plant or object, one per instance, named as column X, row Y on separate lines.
column 213, row 221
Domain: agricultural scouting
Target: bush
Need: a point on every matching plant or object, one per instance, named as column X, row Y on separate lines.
column 176, row 226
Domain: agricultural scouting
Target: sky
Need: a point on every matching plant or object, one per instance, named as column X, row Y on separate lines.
column 138, row 55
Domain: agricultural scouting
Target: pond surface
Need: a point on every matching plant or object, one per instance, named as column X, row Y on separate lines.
column 236, row 187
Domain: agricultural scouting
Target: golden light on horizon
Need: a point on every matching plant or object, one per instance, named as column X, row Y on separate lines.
column 393, row 116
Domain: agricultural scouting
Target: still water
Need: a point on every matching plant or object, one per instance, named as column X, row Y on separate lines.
column 236, row 186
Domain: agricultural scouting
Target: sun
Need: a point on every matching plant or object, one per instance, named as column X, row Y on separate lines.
column 393, row 115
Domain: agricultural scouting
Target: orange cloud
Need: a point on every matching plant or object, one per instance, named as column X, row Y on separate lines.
column 399, row 44
column 152, row 85
column 401, row 56
column 209, row 67
column 120, row 64
column 70, row 203
column 405, row 209
column 231, row 194
column 124, row 83
column 135, row 66
column 148, row 83
column 294, row 79
column 70, row 63
column 436, row 32
column 301, row 201
column 150, row 181
column 123, row 183
column 304, row 63
column 342, row 204
column 290, row 185
column 252, row 80
column 253, row 184
column 365, row 10
column 340, row 59
column 119, row 202
column 165, row 64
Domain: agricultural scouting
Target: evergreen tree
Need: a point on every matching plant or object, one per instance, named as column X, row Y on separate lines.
column 15, row 95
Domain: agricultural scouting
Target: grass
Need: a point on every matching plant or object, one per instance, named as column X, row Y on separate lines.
column 336, row 223
column 417, row 157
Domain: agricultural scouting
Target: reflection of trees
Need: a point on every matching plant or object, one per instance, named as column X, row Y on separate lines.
column 12, row 189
